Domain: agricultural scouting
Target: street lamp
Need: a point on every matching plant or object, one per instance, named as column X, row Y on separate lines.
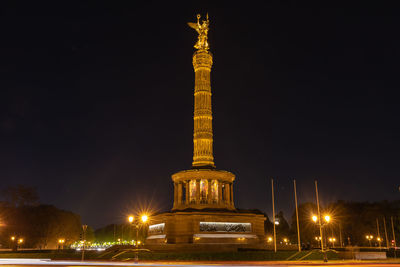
column 332, row 240
column 14, row 245
column 327, row 218
column 321, row 223
column 143, row 219
column 61, row 242
column 379, row 239
column 20, row 241
column 369, row 238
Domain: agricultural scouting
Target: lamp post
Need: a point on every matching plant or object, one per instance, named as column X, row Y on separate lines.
column 20, row 242
column 13, row 245
column 61, row 242
column 318, row 220
column 84, row 227
column 318, row 239
column 369, row 238
column 379, row 239
column 321, row 223
column 136, row 223
column 332, row 240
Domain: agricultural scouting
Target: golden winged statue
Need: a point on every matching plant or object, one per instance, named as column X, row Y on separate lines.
column 202, row 30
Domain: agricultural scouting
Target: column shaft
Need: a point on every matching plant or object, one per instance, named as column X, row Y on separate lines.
column 202, row 131
column 209, row 199
column 180, row 193
column 231, row 198
column 187, row 192
column 175, row 195
column 219, row 193
column 228, row 193
column 197, row 191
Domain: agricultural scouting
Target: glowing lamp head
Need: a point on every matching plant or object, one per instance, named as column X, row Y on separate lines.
column 21, row 240
column 314, row 218
column 145, row 218
column 270, row 239
column 12, row 238
column 327, row 218
column 130, row 219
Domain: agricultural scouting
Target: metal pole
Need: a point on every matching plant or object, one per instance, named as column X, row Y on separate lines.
column 386, row 235
column 137, row 244
column 297, row 215
column 394, row 236
column 273, row 212
column 114, row 232
column 340, row 235
column 379, row 236
column 320, row 222
column 84, row 227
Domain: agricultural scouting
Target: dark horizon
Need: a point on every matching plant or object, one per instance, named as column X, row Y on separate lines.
column 97, row 102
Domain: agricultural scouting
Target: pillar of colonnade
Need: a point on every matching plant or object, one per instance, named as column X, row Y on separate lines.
column 224, row 196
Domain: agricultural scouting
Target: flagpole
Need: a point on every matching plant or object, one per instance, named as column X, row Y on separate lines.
column 386, row 235
column 394, row 236
column 297, row 215
column 273, row 212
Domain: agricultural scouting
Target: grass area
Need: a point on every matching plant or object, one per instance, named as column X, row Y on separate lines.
column 229, row 256
column 173, row 256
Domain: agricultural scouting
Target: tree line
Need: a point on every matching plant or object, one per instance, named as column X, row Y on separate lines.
column 26, row 223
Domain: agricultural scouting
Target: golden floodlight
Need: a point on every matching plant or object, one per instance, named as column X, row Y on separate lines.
column 145, row 218
column 130, row 219
column 314, row 218
column 21, row 240
column 12, row 238
column 327, row 218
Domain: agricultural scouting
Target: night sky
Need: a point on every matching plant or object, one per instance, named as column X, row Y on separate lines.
column 96, row 101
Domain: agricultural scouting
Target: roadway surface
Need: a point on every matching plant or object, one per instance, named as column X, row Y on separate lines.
column 47, row 263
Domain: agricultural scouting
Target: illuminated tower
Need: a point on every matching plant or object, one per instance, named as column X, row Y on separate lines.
column 203, row 186
column 202, row 134
column 203, row 211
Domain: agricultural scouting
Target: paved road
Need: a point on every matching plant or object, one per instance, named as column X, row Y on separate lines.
column 47, row 263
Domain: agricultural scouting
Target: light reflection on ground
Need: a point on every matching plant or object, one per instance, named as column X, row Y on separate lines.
column 47, row 262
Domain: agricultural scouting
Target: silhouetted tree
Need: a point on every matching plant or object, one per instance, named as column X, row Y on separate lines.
column 20, row 195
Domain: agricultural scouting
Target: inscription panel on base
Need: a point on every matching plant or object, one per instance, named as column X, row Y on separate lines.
column 225, row 227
